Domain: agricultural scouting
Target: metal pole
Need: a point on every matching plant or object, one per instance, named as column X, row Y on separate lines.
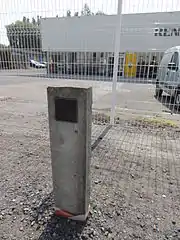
column 149, row 62
column 48, row 62
column 116, row 60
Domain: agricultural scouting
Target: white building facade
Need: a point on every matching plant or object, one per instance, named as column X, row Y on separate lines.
column 145, row 35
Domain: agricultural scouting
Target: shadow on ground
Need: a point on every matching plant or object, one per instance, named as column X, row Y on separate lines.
column 58, row 228
column 54, row 227
column 168, row 102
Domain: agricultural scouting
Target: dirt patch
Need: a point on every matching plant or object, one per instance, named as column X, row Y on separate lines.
column 5, row 99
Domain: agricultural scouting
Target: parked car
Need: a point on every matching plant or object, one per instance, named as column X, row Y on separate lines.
column 168, row 78
column 36, row 64
column 45, row 63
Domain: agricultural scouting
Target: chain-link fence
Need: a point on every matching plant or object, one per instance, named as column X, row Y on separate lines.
column 128, row 52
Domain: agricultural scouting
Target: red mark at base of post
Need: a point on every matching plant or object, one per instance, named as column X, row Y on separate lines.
column 61, row 213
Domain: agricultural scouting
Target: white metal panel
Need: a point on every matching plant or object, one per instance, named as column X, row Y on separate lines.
column 96, row 33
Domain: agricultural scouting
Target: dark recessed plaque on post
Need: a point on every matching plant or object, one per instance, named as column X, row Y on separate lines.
column 66, row 110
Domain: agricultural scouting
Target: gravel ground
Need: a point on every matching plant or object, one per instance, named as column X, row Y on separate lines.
column 135, row 173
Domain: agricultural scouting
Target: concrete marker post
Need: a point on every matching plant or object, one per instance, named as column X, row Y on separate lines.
column 70, row 113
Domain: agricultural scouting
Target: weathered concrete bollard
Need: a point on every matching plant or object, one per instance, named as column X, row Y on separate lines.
column 70, row 113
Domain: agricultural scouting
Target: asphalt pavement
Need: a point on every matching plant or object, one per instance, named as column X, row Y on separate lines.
column 132, row 98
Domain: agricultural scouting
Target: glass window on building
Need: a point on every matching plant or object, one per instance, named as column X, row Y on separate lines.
column 175, row 58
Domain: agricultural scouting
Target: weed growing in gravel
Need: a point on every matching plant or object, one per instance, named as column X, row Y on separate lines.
column 158, row 122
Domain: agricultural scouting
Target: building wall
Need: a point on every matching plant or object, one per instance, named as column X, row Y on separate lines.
column 140, row 33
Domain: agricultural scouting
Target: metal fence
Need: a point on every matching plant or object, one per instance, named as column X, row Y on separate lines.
column 120, row 49
column 89, row 42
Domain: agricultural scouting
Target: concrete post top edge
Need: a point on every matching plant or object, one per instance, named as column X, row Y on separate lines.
column 70, row 87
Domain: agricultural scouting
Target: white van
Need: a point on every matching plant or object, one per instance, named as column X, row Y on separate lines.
column 168, row 78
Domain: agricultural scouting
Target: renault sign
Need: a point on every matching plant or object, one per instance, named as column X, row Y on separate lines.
column 167, row 32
